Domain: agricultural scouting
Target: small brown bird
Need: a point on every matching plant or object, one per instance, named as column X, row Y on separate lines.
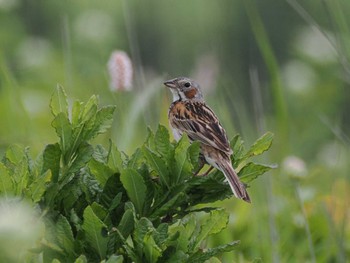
column 189, row 114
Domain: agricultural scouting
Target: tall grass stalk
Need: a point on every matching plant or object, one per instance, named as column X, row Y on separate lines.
column 307, row 227
column 260, row 123
column 270, row 60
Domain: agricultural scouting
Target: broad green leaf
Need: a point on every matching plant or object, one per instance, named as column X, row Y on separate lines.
column 102, row 121
column 252, row 170
column 158, row 165
column 100, row 154
column 162, row 142
column 52, row 157
column 6, row 183
column 150, row 140
column 171, row 205
column 82, row 156
column 261, row 145
column 115, row 161
column 183, row 167
column 203, row 255
column 63, row 130
column 178, row 256
column 76, row 113
column 114, row 259
column 143, row 226
column 115, row 202
column 81, row 259
column 161, row 234
column 59, row 102
column 126, row 225
column 216, row 222
column 100, row 171
column 193, row 153
column 135, row 187
column 15, row 154
column 89, row 109
column 237, row 148
column 112, row 188
column 188, row 231
column 38, row 187
column 99, row 211
column 93, row 228
column 136, row 160
column 151, row 250
column 64, row 235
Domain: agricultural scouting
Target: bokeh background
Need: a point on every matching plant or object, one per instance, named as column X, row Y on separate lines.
column 280, row 66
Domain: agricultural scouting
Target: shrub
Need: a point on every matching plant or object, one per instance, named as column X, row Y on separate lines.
column 100, row 204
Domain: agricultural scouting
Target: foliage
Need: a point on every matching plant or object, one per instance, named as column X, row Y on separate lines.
column 101, row 205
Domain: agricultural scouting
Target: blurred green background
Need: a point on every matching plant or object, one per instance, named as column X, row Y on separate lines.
column 280, row 66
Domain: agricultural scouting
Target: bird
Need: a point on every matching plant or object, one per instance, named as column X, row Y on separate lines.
column 189, row 114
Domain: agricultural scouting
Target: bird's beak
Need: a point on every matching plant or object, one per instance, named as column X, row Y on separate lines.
column 170, row 83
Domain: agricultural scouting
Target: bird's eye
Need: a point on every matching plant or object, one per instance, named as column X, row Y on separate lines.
column 187, row 84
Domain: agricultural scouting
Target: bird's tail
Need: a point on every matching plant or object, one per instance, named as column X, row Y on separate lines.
column 236, row 185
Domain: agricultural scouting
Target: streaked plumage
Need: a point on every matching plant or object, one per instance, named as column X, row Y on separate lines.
column 189, row 114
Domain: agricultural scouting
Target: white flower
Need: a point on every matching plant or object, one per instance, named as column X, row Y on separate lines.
column 294, row 166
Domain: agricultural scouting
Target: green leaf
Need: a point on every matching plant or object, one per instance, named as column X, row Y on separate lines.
column 100, row 171
column 82, row 156
column 158, row 165
column 136, row 160
column 193, row 153
column 93, row 228
column 151, row 250
column 63, row 130
column 115, row 259
column 216, row 222
column 90, row 109
column 100, row 122
column 59, row 102
column 64, row 235
column 81, row 259
column 38, row 187
column 161, row 235
column 115, row 202
column 104, row 119
column 143, row 226
column 252, row 170
column 162, row 141
column 15, row 154
column 261, row 145
column 115, row 161
column 178, row 256
column 100, row 154
column 201, row 256
column 99, row 211
column 183, row 167
column 171, row 205
column 6, row 183
column 126, row 225
column 135, row 188
column 76, row 113
column 237, row 148
column 51, row 158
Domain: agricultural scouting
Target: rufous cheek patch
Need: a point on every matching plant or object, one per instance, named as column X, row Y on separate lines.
column 190, row 93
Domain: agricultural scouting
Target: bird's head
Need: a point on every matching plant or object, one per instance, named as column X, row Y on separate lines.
column 184, row 89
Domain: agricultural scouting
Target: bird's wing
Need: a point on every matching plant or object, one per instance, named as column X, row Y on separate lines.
column 200, row 123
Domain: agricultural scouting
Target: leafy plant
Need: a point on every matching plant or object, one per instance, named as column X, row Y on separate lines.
column 100, row 205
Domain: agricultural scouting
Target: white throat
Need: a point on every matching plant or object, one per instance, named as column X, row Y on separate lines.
column 175, row 94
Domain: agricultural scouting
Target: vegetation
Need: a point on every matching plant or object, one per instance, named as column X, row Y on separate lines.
column 102, row 205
